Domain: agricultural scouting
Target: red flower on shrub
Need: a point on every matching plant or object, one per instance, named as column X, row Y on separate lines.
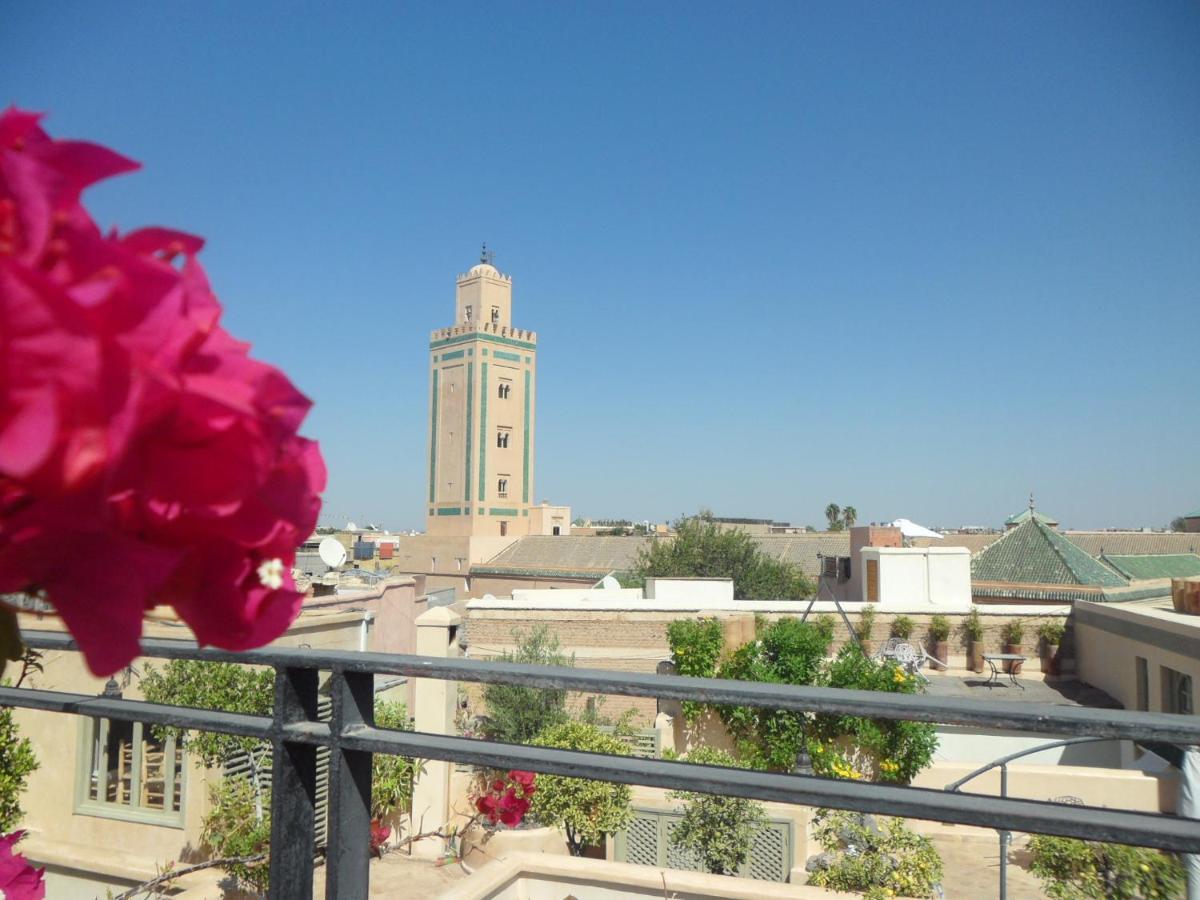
column 18, row 879
column 507, row 802
column 379, row 837
column 145, row 458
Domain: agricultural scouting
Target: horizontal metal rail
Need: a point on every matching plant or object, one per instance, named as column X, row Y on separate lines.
column 1041, row 718
column 295, row 732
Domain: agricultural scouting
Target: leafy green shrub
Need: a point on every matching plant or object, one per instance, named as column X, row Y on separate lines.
column 17, row 763
column 1013, row 632
column 972, row 626
column 695, row 650
column 517, row 714
column 939, row 628
column 232, row 828
column 1051, row 632
column 902, row 627
column 792, row 652
column 861, row 748
column 720, row 830
column 878, row 857
column 788, row 652
column 1071, row 868
column 586, row 810
column 701, row 549
column 826, row 624
column 866, row 621
column 392, row 777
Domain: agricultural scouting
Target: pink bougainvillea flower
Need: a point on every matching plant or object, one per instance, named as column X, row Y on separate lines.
column 507, row 801
column 145, row 457
column 18, row 879
column 524, row 779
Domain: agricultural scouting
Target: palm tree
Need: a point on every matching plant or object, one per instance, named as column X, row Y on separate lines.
column 833, row 513
column 849, row 516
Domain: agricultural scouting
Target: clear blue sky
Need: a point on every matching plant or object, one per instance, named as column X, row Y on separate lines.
column 916, row 257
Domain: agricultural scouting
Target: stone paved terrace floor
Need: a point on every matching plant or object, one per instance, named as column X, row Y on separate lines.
column 1061, row 691
column 399, row 875
column 972, row 870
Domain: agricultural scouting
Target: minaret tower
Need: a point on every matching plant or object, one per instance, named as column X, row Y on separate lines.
column 482, row 374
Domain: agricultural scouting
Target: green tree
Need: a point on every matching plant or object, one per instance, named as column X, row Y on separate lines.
column 229, row 687
column 700, row 549
column 17, row 763
column 586, row 810
column 849, row 516
column 1071, row 868
column 876, row 856
column 833, row 515
column 517, row 714
column 718, row 829
column 1178, row 524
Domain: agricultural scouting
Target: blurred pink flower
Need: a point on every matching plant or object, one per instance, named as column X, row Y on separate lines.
column 145, row 458
column 18, row 879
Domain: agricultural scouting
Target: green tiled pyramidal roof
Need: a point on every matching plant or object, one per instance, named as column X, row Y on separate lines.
column 1165, row 565
column 1023, row 516
column 1033, row 553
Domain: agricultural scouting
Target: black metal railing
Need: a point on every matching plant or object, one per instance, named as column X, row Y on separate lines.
column 351, row 736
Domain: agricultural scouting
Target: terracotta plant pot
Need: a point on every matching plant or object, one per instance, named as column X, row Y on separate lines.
column 1014, row 666
column 1050, row 659
column 975, row 656
column 941, row 651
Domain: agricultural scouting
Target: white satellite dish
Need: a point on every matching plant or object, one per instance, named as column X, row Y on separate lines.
column 608, row 583
column 332, row 553
column 489, row 597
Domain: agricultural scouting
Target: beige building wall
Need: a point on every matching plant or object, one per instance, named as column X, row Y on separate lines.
column 483, row 406
column 86, row 854
column 552, row 520
column 1110, row 638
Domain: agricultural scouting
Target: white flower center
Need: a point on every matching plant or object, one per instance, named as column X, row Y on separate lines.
column 270, row 573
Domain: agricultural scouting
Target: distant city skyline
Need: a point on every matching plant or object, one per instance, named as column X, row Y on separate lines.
column 921, row 260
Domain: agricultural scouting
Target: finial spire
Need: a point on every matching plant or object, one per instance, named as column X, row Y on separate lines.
column 483, row 254
column 1031, row 503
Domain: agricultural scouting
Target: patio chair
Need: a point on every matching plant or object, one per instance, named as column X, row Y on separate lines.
column 904, row 654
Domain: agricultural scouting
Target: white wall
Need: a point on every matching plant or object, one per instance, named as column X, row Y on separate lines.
column 937, row 579
column 976, row 745
column 715, row 590
column 574, row 598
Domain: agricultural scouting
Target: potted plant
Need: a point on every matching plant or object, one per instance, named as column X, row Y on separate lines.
column 1051, row 635
column 866, row 625
column 939, row 633
column 1012, row 634
column 972, row 628
column 902, row 627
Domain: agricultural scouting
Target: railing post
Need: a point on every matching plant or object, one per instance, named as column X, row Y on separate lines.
column 1005, row 836
column 348, row 856
column 433, row 712
column 293, row 788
